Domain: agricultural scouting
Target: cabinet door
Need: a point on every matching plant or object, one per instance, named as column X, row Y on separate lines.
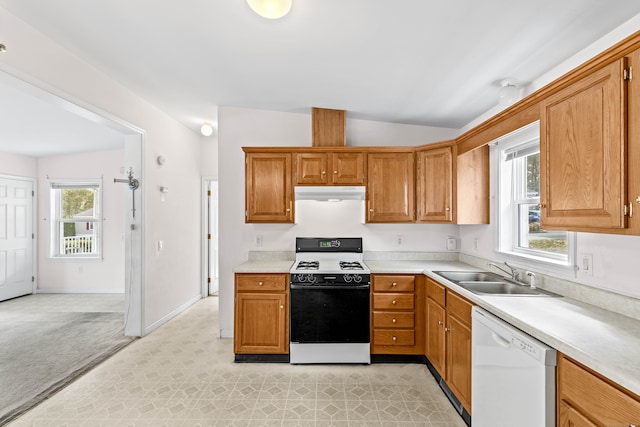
column 268, row 187
column 261, row 323
column 582, row 153
column 435, row 186
column 436, row 337
column 390, row 190
column 459, row 360
column 348, row 168
column 311, row 168
column 569, row 417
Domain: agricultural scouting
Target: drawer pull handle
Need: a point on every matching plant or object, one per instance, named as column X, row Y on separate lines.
column 394, row 320
column 394, row 338
column 260, row 283
column 394, row 284
column 394, row 302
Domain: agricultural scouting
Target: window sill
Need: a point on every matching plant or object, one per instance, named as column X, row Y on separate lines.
column 540, row 264
column 97, row 258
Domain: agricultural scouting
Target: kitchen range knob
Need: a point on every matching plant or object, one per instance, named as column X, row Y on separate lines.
column 357, row 278
column 348, row 278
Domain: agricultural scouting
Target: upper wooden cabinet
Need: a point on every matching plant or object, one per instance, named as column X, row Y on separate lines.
column 268, row 192
column 472, row 187
column 434, row 186
column 390, row 187
column 582, row 153
column 338, row 168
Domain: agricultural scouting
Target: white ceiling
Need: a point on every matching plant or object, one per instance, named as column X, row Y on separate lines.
column 435, row 63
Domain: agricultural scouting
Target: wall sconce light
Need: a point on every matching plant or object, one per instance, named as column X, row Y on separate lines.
column 270, row 9
column 508, row 93
column 206, row 129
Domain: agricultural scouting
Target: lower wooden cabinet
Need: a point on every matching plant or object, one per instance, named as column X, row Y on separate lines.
column 448, row 338
column 397, row 315
column 261, row 324
column 586, row 399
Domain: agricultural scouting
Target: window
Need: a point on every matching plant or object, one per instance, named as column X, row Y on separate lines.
column 76, row 230
column 520, row 233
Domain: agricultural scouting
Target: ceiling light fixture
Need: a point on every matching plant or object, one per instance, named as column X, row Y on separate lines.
column 270, row 9
column 206, row 129
column 508, row 93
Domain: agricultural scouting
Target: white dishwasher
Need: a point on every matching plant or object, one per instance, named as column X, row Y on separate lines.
column 512, row 376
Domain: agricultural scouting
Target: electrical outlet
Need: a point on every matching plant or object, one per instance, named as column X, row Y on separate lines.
column 399, row 239
column 586, row 266
column 475, row 243
column 258, row 239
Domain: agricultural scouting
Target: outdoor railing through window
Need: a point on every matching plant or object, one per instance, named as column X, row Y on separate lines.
column 78, row 245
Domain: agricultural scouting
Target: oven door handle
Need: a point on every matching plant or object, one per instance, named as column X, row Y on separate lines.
column 323, row 287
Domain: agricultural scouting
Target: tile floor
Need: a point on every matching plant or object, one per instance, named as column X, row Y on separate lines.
column 183, row 375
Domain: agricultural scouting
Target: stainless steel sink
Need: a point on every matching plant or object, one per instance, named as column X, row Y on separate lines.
column 486, row 283
column 500, row 288
column 470, row 276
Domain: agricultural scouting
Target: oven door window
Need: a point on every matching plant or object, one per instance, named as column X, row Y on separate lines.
column 337, row 314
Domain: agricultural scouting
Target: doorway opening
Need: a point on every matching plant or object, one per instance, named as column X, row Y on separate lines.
column 210, row 270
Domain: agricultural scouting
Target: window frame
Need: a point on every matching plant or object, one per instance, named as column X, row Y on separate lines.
column 56, row 218
column 509, row 204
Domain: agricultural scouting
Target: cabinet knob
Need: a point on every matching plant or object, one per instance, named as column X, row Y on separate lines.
column 260, row 283
column 394, row 284
column 394, row 338
column 335, row 171
column 394, row 320
column 447, row 209
column 440, row 322
column 447, row 329
column 281, row 307
column 371, row 210
column 394, row 302
column 324, row 172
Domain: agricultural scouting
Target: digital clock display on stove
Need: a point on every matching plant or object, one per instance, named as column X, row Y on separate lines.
column 329, row 243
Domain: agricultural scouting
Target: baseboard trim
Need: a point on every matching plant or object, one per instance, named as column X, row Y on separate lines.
column 155, row 325
column 77, row 291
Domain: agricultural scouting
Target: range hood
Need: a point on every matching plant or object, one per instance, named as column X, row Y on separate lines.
column 329, row 192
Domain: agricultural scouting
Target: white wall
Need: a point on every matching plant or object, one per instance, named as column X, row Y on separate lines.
column 614, row 257
column 172, row 277
column 18, row 165
column 240, row 127
column 91, row 276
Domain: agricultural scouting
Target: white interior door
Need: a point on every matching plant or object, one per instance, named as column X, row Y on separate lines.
column 16, row 240
column 213, row 240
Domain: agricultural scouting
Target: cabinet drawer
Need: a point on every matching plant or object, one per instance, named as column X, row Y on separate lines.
column 394, row 337
column 603, row 401
column 393, row 283
column 459, row 307
column 393, row 301
column 436, row 291
column 261, row 282
column 392, row 319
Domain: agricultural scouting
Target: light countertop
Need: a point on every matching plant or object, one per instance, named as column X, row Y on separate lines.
column 603, row 340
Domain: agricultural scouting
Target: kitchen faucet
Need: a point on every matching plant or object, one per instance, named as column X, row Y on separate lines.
column 513, row 273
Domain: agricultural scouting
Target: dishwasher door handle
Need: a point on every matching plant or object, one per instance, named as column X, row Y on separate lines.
column 503, row 342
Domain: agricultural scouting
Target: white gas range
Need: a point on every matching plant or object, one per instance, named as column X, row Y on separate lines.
column 330, row 312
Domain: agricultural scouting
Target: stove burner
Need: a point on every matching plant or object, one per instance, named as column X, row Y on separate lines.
column 353, row 265
column 308, row 265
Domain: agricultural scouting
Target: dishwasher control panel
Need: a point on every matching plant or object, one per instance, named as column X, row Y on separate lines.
column 526, row 346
